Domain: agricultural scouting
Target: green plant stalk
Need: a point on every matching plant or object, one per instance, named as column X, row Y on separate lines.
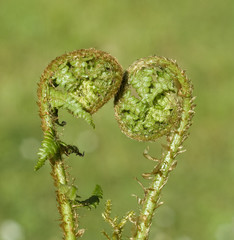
column 65, row 206
column 68, row 220
column 155, row 100
column 80, row 82
column 153, row 192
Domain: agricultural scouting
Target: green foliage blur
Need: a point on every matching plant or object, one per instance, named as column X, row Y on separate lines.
column 198, row 198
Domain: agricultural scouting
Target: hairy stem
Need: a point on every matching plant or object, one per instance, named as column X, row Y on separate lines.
column 65, row 208
column 155, row 100
column 80, row 82
column 152, row 195
column 69, row 222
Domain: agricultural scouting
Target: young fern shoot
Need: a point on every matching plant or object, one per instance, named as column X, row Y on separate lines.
column 80, row 82
column 155, row 100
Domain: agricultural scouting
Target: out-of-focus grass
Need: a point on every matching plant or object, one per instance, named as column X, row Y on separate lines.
column 199, row 34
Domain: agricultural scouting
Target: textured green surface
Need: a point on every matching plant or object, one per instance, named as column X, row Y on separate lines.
column 79, row 82
column 88, row 77
column 148, row 105
column 49, row 149
column 155, row 99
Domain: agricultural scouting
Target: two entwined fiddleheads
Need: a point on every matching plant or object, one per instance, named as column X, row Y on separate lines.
column 155, row 99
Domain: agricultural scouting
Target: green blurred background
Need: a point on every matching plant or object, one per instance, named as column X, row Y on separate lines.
column 199, row 196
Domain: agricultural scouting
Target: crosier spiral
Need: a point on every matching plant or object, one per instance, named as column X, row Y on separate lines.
column 79, row 82
column 149, row 103
column 155, row 99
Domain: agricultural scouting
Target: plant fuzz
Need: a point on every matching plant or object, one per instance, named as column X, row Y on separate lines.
column 153, row 98
column 80, row 82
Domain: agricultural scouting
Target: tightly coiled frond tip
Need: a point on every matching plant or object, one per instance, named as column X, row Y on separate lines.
column 149, row 103
column 85, row 79
column 80, row 82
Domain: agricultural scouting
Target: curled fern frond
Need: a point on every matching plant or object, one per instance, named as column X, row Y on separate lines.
column 65, row 100
column 80, row 82
column 149, row 103
column 155, row 99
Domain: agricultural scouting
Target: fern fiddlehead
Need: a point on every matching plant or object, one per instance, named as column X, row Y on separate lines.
column 79, row 82
column 155, row 99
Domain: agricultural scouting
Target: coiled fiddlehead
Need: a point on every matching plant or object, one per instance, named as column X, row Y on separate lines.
column 148, row 105
column 155, row 99
column 79, row 82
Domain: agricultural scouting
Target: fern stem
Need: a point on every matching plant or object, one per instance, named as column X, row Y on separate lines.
column 153, row 192
column 65, row 208
column 152, row 200
column 155, row 100
column 80, row 82
column 152, row 196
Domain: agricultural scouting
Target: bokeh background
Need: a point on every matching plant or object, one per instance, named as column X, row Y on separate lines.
column 199, row 195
